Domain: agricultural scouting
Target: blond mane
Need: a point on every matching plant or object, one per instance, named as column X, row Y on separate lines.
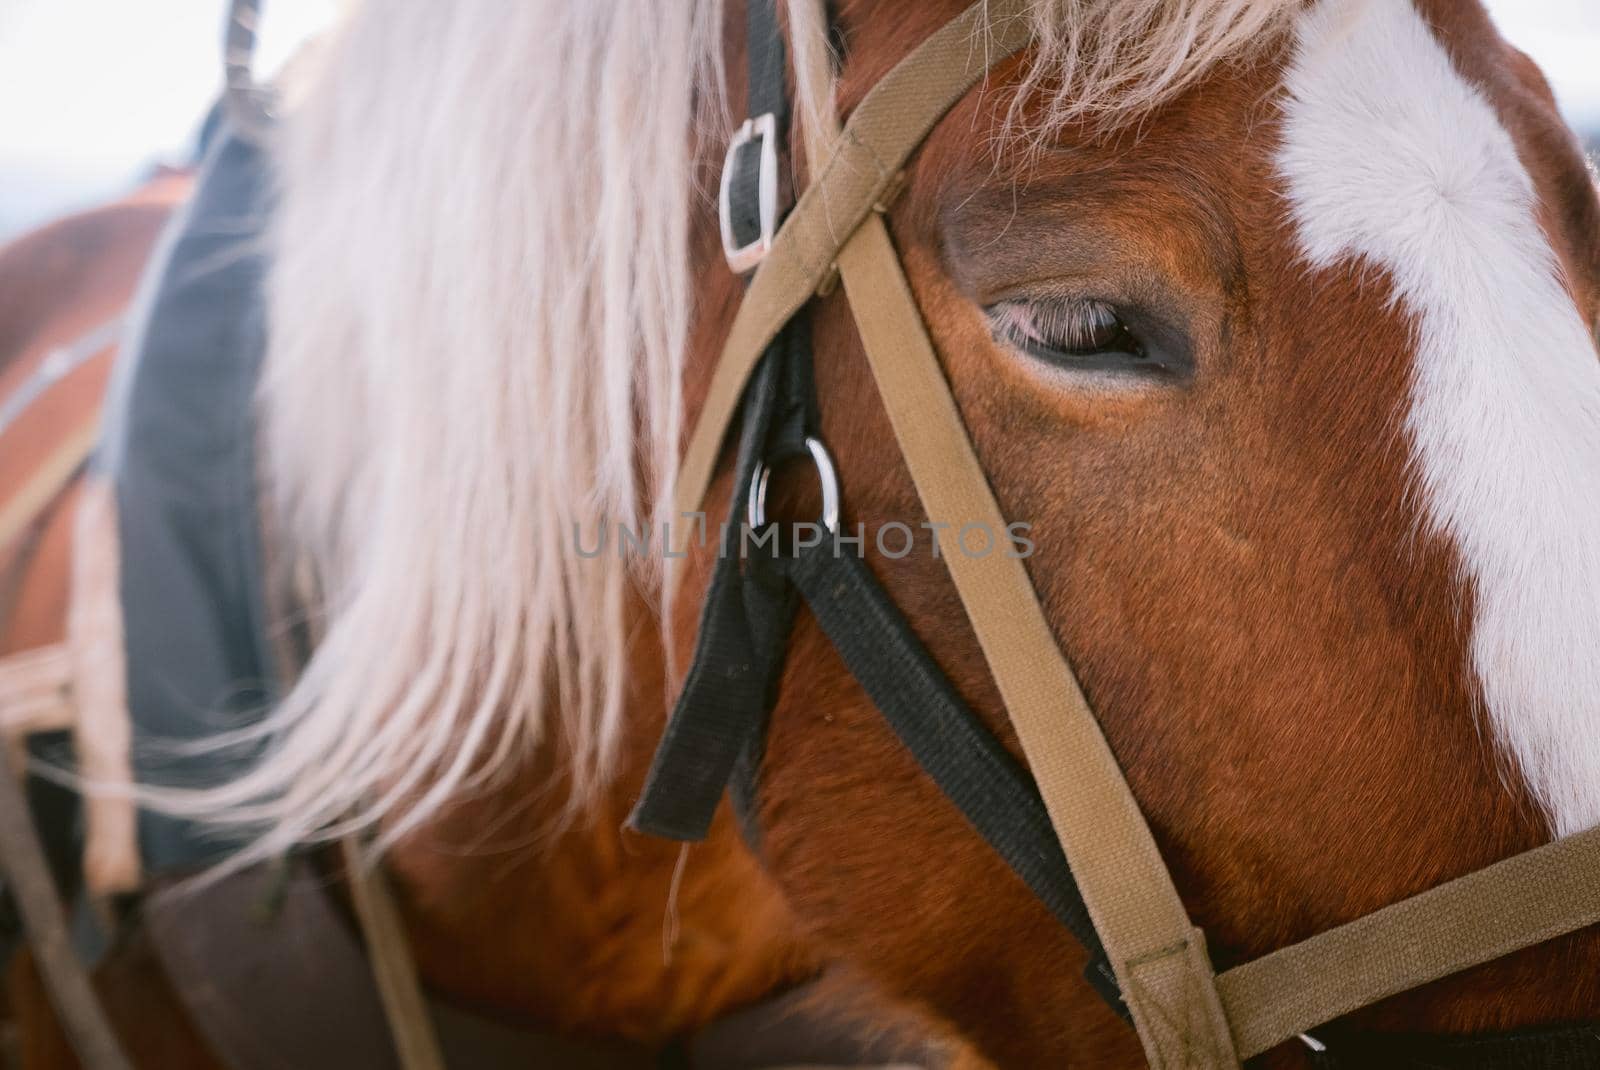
column 479, row 303
column 1111, row 62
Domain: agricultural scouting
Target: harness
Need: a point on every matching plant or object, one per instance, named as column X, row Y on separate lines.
column 1068, row 825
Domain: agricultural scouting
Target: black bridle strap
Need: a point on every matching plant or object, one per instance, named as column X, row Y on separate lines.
column 1560, row 1048
column 744, row 624
column 767, row 95
column 957, row 751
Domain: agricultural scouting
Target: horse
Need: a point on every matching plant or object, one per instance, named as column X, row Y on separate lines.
column 1274, row 321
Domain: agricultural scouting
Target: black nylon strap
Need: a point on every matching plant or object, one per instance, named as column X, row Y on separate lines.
column 768, row 93
column 1558, row 1048
column 739, row 653
column 744, row 625
column 767, row 62
column 963, row 757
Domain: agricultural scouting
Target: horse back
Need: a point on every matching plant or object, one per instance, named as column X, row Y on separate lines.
column 64, row 288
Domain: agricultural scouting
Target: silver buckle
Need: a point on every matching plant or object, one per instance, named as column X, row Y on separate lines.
column 742, row 258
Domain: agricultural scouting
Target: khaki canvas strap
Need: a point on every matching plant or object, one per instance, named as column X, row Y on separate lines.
column 47, row 481
column 416, row 1042
column 1515, row 903
column 887, row 126
column 35, row 691
column 1158, row 955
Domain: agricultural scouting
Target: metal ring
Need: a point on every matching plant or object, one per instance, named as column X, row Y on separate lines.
column 827, row 476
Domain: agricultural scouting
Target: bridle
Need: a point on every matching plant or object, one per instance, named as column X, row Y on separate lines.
column 1068, row 825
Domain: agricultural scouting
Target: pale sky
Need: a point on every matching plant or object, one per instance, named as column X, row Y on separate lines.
column 1564, row 37
column 93, row 91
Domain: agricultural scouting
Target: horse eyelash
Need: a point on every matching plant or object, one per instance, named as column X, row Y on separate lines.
column 1065, row 324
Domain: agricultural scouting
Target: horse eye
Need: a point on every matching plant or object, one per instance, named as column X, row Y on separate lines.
column 1069, row 332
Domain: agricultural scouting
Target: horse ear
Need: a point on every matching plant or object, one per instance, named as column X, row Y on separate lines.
column 1584, row 202
column 1530, row 74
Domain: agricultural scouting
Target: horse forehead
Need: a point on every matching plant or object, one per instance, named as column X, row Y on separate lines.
column 1390, row 156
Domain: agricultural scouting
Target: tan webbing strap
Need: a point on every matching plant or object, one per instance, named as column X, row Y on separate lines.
column 412, row 1027
column 35, row 691
column 50, row 479
column 1158, row 955
column 416, row 1042
column 885, row 129
column 102, row 730
column 1513, row 904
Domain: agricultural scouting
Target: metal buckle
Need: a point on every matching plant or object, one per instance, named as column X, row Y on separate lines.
column 742, row 258
column 827, row 475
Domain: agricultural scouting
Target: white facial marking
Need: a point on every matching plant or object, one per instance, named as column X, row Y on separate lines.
column 1391, row 156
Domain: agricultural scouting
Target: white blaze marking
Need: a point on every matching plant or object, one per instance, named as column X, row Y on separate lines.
column 1391, row 156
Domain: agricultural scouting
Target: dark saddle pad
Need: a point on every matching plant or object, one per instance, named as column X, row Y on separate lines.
column 180, row 450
